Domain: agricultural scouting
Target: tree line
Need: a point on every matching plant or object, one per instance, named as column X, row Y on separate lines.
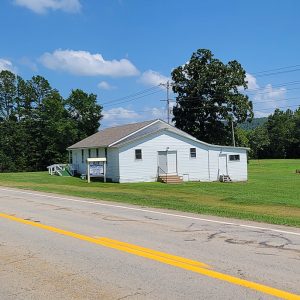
column 278, row 137
column 37, row 124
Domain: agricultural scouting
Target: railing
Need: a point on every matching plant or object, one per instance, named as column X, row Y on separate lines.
column 57, row 169
column 158, row 172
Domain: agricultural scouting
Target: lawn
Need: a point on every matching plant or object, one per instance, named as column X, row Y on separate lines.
column 271, row 195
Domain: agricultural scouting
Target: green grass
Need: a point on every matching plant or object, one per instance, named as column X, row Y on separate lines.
column 271, row 195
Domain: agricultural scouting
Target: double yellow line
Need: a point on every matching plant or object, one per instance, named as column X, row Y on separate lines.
column 173, row 260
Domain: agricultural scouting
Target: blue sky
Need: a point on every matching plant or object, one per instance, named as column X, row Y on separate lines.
column 117, row 48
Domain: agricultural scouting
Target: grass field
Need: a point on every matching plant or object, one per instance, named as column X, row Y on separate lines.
column 271, row 195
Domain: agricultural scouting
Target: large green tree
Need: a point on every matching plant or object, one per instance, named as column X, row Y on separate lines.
column 209, row 98
column 85, row 112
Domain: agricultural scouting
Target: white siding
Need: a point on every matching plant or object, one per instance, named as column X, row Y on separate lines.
column 113, row 164
column 237, row 170
column 123, row 167
column 77, row 158
column 132, row 170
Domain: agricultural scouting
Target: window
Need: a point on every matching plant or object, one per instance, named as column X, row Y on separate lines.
column 82, row 156
column 234, row 157
column 138, row 153
column 89, row 152
column 71, row 157
column 193, row 152
column 97, row 152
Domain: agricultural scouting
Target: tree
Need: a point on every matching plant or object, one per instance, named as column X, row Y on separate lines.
column 209, row 98
column 241, row 137
column 296, row 145
column 85, row 112
column 259, row 142
column 37, row 124
column 280, row 127
column 7, row 94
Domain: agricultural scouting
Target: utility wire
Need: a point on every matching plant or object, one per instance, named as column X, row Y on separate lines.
column 226, row 107
column 276, row 69
column 139, row 93
column 133, row 99
column 276, row 73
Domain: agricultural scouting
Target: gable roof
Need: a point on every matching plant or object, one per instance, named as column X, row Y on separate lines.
column 120, row 135
column 105, row 137
column 170, row 128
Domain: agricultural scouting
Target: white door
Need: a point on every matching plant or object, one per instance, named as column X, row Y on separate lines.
column 167, row 162
column 162, row 163
column 172, row 162
column 223, row 164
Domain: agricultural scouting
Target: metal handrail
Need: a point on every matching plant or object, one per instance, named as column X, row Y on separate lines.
column 159, row 168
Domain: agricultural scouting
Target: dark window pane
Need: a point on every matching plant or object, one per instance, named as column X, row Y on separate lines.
column 138, row 153
column 193, row 152
column 235, row 157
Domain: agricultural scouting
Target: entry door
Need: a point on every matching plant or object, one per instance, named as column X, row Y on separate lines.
column 172, row 162
column 167, row 162
column 223, row 164
column 162, row 162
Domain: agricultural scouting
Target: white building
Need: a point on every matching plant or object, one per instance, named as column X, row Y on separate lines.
column 142, row 152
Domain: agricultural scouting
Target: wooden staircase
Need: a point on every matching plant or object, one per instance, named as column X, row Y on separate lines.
column 173, row 179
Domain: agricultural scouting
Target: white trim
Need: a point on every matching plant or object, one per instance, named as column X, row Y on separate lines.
column 125, row 137
column 183, row 134
column 176, row 131
column 96, row 159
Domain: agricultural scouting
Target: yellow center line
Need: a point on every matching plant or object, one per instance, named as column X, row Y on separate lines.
column 177, row 261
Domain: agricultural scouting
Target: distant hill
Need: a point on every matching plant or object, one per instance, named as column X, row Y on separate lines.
column 255, row 123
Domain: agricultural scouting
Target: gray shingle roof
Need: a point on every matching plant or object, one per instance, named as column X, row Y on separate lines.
column 105, row 137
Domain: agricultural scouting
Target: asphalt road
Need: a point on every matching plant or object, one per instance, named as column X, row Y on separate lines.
column 59, row 247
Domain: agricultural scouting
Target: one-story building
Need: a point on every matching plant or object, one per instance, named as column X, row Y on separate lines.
column 146, row 151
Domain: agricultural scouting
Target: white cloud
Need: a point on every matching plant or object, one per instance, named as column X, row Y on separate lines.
column 86, row 64
column 151, row 77
column 42, row 6
column 119, row 113
column 103, row 85
column 158, row 113
column 6, row 65
column 252, row 84
column 267, row 99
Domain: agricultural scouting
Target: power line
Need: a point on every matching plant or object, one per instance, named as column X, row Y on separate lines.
column 226, row 107
column 196, row 99
column 278, row 100
column 296, row 82
column 132, row 95
column 133, row 99
column 276, row 69
column 276, row 73
column 286, row 106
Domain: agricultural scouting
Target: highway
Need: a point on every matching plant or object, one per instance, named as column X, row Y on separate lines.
column 63, row 247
